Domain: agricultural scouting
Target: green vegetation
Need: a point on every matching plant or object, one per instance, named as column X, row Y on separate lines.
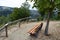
column 3, row 20
column 58, row 17
column 39, row 18
column 17, row 13
column 21, row 12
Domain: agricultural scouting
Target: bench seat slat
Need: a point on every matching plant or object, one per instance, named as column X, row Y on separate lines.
column 35, row 28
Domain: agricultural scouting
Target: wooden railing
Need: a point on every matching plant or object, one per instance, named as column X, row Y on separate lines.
column 7, row 24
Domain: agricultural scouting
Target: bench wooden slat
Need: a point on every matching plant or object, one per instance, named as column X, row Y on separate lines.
column 35, row 28
column 32, row 28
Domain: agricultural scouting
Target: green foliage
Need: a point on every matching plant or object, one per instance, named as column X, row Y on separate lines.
column 39, row 18
column 3, row 20
column 46, row 6
column 19, row 13
column 58, row 17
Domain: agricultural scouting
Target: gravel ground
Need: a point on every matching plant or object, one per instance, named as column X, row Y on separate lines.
column 21, row 33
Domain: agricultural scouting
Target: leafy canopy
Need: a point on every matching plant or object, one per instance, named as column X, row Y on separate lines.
column 19, row 13
column 45, row 5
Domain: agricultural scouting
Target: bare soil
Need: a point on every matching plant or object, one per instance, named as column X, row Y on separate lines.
column 17, row 33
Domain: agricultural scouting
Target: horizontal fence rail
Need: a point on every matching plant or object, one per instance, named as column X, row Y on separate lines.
column 9, row 23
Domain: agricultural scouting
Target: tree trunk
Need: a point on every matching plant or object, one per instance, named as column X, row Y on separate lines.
column 47, row 24
column 49, row 14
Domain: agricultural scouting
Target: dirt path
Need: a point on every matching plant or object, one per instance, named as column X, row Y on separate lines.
column 21, row 33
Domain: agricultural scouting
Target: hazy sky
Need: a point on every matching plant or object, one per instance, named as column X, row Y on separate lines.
column 13, row 3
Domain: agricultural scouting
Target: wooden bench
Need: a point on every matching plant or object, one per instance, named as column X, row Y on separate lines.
column 35, row 29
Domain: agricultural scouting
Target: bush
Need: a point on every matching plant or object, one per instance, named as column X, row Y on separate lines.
column 18, row 13
column 39, row 18
column 3, row 20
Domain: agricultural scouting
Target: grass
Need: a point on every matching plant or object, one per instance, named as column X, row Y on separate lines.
column 1, row 25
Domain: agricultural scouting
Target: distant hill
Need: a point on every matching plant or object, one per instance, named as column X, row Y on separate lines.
column 4, row 8
column 34, row 13
column 4, row 11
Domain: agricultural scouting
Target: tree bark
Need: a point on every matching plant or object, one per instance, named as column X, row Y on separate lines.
column 47, row 24
column 49, row 14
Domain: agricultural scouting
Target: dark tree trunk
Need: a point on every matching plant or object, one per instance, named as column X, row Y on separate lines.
column 49, row 14
column 47, row 24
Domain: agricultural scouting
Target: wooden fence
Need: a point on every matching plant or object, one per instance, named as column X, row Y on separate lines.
column 9, row 23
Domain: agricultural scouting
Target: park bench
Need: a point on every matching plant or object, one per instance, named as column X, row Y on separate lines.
column 35, row 29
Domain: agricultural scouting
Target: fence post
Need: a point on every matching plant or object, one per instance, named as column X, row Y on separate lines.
column 27, row 20
column 6, row 31
column 19, row 24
